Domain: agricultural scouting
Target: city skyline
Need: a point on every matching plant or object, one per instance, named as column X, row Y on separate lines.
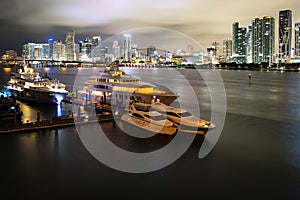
column 204, row 21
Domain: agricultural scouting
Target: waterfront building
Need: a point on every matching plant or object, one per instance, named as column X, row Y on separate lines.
column 227, row 48
column 297, row 40
column 50, row 43
column 36, row 51
column 239, row 41
column 241, row 47
column 268, row 39
column 58, row 50
column 285, row 34
column 151, row 53
column 116, row 49
column 257, row 40
column 263, row 40
column 235, row 27
column 96, row 46
column 70, row 45
column 249, row 44
column 127, row 47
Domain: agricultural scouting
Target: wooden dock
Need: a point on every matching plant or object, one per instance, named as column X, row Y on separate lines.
column 57, row 122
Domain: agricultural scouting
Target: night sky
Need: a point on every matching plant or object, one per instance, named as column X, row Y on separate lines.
column 204, row 21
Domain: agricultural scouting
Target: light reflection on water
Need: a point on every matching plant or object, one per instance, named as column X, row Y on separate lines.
column 260, row 137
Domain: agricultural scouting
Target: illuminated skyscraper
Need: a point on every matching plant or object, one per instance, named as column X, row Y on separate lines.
column 249, row 44
column 58, row 50
column 297, row 40
column 50, row 42
column 268, row 39
column 285, row 34
column 263, row 40
column 96, row 46
column 227, row 48
column 70, row 45
column 257, row 40
column 116, row 49
column 127, row 47
column 239, row 41
column 235, row 27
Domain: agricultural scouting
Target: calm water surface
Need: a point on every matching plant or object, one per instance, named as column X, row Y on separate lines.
column 257, row 155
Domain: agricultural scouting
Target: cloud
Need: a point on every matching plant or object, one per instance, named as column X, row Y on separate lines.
column 203, row 20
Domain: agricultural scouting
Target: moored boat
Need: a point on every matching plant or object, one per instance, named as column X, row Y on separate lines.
column 185, row 121
column 151, row 121
column 117, row 88
column 27, row 85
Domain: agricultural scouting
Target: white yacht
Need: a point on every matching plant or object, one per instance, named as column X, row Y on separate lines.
column 115, row 87
column 151, row 121
column 27, row 85
column 185, row 121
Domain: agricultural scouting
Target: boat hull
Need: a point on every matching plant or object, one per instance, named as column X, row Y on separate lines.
column 155, row 128
column 32, row 96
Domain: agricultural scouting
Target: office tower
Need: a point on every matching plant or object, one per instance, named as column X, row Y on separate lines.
column 116, row 49
column 58, row 50
column 268, row 39
column 239, row 41
column 70, row 45
column 285, row 34
column 263, row 40
column 241, row 47
column 151, row 52
column 257, row 40
column 227, row 48
column 297, row 40
column 235, row 27
column 96, row 46
column 127, row 47
column 215, row 45
column 36, row 51
column 50, row 42
column 249, row 44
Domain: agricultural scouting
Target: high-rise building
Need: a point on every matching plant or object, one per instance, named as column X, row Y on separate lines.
column 263, row 40
column 36, row 51
column 239, row 41
column 116, row 49
column 70, row 45
column 285, row 34
column 257, row 41
column 268, row 39
column 235, row 27
column 96, row 46
column 227, row 48
column 50, row 42
column 127, row 47
column 58, row 50
column 249, row 44
column 297, row 40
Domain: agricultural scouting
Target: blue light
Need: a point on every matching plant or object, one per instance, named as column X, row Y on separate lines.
column 58, row 98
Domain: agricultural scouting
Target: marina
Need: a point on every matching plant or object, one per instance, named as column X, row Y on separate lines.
column 258, row 145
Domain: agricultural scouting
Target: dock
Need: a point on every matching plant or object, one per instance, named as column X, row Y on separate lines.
column 56, row 122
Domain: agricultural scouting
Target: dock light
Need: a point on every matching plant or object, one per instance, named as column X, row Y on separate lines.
column 58, row 98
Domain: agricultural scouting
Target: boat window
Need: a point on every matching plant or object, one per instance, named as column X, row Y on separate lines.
column 158, row 117
column 173, row 114
column 185, row 114
column 138, row 115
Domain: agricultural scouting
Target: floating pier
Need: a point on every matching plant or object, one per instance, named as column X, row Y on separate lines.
column 56, row 122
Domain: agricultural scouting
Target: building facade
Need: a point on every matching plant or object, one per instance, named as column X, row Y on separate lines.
column 285, row 34
column 70, row 45
column 297, row 40
column 127, row 47
column 227, row 48
column 268, row 39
